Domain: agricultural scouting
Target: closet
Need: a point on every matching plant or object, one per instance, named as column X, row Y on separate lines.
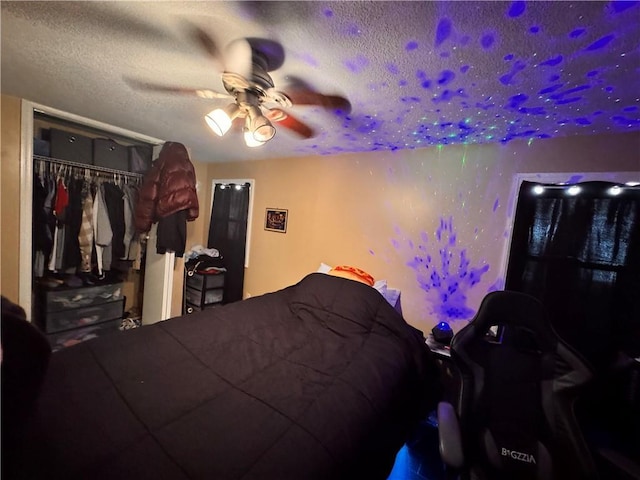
column 88, row 264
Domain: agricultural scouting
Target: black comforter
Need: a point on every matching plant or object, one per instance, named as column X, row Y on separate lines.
column 323, row 379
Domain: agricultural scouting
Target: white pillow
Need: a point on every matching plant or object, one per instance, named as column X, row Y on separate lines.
column 324, row 268
column 381, row 286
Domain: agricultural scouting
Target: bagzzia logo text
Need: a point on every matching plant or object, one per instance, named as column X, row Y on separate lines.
column 523, row 457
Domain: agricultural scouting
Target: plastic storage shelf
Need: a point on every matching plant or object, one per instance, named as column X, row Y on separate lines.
column 203, row 291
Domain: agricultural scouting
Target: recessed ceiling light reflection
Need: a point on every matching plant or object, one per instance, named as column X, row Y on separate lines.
column 538, row 189
column 574, row 190
column 615, row 190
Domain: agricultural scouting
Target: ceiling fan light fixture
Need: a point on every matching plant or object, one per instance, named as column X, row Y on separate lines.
column 259, row 125
column 250, row 140
column 264, row 132
column 220, row 119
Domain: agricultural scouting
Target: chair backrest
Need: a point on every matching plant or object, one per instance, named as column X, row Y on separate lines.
column 519, row 382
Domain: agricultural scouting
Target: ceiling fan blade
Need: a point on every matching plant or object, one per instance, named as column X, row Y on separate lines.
column 309, row 97
column 207, row 43
column 271, row 51
column 153, row 87
column 238, row 57
column 289, row 122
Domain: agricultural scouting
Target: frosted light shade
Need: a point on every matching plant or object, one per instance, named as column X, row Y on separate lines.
column 219, row 121
column 265, row 132
column 259, row 125
column 250, row 139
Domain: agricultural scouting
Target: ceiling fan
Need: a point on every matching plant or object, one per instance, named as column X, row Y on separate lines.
column 254, row 97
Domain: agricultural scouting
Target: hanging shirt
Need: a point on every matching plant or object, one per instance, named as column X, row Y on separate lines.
column 172, row 233
column 49, row 217
column 41, row 241
column 102, row 233
column 114, row 202
column 130, row 237
column 59, row 206
column 85, row 237
column 72, row 223
column 62, row 200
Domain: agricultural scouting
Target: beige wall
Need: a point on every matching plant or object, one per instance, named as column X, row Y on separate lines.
column 9, row 196
column 380, row 211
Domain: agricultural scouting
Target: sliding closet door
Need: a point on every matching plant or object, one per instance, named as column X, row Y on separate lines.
column 157, row 294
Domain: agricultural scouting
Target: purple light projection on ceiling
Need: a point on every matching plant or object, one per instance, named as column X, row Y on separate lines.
column 445, row 272
column 475, row 85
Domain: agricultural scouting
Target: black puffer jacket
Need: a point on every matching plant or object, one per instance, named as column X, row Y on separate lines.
column 170, row 186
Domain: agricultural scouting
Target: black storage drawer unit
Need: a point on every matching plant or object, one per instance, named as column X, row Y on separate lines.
column 140, row 158
column 188, row 308
column 203, row 282
column 203, row 291
column 81, row 317
column 64, row 298
column 203, row 297
column 109, row 153
column 77, row 335
column 64, row 308
column 65, row 145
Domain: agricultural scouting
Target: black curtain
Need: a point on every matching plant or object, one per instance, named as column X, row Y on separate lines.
column 228, row 234
column 580, row 255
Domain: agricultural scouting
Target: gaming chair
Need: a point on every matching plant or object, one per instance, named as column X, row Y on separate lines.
column 514, row 418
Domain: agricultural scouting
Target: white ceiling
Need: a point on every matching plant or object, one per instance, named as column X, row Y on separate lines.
column 416, row 73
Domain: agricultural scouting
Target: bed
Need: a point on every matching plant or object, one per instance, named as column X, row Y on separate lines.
column 320, row 380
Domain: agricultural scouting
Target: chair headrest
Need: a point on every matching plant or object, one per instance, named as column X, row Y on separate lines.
column 515, row 309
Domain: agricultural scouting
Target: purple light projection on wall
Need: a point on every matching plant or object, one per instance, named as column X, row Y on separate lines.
column 445, row 272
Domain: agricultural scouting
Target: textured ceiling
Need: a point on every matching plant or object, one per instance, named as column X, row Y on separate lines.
column 416, row 73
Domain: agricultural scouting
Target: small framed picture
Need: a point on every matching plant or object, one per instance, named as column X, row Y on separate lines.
column 275, row 220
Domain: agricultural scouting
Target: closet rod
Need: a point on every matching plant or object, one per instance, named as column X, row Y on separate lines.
column 87, row 166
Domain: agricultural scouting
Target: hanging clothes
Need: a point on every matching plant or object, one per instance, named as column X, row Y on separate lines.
column 168, row 187
column 42, row 238
column 131, row 239
column 85, row 236
column 80, row 216
column 172, row 233
column 102, row 233
column 73, row 221
column 114, row 202
column 50, row 219
column 59, row 209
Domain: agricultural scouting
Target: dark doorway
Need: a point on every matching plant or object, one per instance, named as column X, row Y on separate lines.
column 228, row 233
